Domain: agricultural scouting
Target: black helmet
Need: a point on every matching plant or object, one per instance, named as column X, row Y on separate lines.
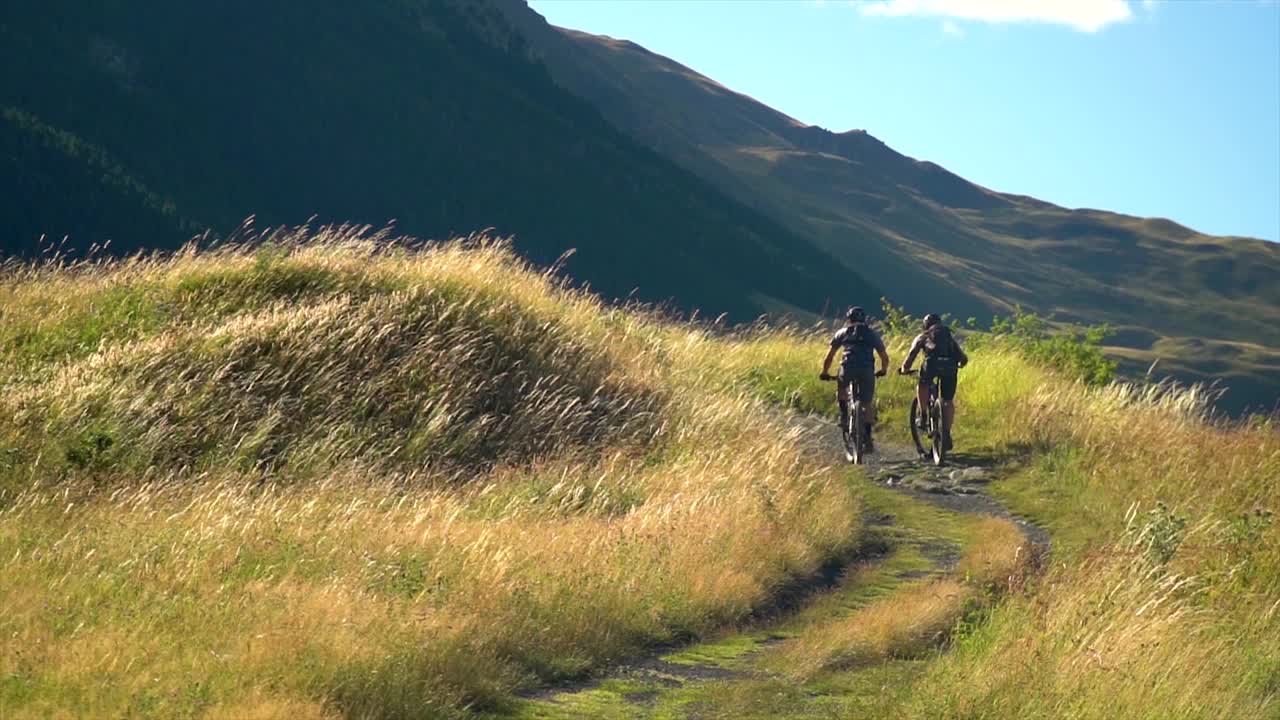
column 856, row 314
column 930, row 320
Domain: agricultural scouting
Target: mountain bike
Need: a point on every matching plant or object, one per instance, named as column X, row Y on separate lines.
column 852, row 429
column 928, row 429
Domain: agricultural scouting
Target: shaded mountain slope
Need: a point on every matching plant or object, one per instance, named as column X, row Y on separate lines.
column 935, row 240
column 51, row 174
column 145, row 124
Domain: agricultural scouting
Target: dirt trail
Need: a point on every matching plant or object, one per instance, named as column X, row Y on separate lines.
column 958, row 485
column 909, row 509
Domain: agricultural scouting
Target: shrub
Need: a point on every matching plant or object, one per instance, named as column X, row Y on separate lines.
column 1075, row 350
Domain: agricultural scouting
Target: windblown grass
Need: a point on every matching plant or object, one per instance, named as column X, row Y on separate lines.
column 337, row 476
column 1163, row 600
column 782, row 366
column 314, row 354
column 920, row 616
column 909, row 622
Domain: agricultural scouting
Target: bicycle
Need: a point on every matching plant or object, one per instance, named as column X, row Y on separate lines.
column 937, row 449
column 852, row 431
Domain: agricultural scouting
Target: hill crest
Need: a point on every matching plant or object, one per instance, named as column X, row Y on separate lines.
column 934, row 240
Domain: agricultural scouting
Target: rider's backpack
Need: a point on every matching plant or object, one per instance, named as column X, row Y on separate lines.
column 858, row 334
column 938, row 341
column 939, row 348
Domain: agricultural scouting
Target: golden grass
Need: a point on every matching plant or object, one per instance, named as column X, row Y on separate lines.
column 1162, row 598
column 327, row 479
column 998, row 558
column 920, row 616
column 337, row 476
column 913, row 620
column 1135, row 617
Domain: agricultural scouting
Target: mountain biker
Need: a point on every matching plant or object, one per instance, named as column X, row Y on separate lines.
column 858, row 366
column 943, row 356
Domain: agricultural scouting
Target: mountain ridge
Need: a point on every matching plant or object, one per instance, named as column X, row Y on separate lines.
column 450, row 117
column 389, row 110
column 933, row 239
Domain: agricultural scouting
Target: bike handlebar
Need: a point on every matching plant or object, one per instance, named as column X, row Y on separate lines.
column 833, row 378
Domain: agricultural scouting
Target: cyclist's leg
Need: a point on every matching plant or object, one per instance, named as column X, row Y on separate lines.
column 853, row 391
column 948, row 390
column 922, row 396
column 842, row 382
column 866, row 389
column 870, row 401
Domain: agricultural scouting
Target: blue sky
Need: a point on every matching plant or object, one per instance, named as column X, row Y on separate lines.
column 1167, row 109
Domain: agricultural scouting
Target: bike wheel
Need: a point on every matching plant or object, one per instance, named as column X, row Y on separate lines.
column 913, row 421
column 846, row 440
column 937, row 448
column 855, row 444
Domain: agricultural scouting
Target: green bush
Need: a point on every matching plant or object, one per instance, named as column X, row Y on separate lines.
column 1075, row 350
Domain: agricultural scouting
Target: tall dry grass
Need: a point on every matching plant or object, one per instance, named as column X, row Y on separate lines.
column 1164, row 597
column 782, row 366
column 921, row 616
column 331, row 475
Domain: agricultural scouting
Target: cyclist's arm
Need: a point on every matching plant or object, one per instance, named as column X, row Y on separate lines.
column 884, row 355
column 826, row 364
column 964, row 359
column 911, row 356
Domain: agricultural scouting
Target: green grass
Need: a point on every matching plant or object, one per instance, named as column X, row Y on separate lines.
column 1054, row 492
column 750, row 673
column 1161, row 597
column 327, row 479
column 1144, row 612
column 351, row 482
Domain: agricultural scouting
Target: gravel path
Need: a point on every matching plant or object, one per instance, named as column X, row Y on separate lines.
column 958, row 485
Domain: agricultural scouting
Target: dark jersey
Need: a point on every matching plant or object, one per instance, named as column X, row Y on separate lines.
column 939, row 346
column 859, row 343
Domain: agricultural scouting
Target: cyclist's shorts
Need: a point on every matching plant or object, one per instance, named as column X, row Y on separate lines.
column 866, row 379
column 946, row 381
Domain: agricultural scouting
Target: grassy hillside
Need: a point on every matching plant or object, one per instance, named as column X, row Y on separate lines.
column 145, row 126
column 1161, row 598
column 337, row 477
column 935, row 241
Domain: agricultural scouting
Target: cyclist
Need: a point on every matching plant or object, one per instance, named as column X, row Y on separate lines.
column 943, row 356
column 857, row 366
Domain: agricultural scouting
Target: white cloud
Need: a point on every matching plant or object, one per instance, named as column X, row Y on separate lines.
column 951, row 28
column 1083, row 15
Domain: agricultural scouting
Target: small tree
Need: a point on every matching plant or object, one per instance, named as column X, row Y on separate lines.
column 897, row 321
column 1076, row 350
